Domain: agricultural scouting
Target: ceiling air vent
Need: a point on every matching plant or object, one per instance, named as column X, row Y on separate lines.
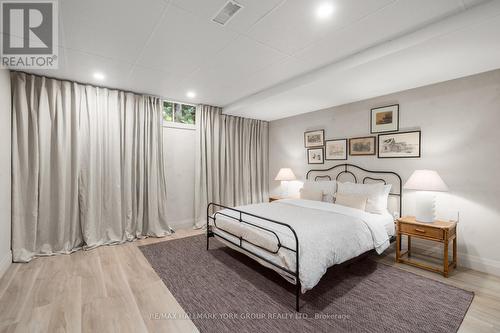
column 227, row 12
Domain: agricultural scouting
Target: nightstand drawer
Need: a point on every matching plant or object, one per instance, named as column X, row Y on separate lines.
column 422, row 230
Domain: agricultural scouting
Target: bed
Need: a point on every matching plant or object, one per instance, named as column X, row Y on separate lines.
column 300, row 239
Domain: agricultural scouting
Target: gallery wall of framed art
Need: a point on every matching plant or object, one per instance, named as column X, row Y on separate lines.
column 388, row 143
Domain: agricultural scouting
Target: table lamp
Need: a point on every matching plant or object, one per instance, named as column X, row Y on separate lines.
column 285, row 175
column 425, row 182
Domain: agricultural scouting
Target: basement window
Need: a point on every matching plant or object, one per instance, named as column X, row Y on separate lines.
column 178, row 113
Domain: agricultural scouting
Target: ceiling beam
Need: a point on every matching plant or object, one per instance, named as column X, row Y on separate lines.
column 475, row 15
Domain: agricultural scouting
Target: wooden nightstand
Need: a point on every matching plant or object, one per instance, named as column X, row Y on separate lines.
column 438, row 231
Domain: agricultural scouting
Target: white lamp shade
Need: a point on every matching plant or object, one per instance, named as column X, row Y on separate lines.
column 285, row 174
column 425, row 180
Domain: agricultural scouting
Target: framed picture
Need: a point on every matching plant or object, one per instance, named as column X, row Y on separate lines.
column 314, row 139
column 336, row 149
column 362, row 146
column 315, row 156
column 385, row 119
column 399, row 145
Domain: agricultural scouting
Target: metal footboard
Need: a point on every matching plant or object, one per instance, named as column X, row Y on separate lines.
column 240, row 219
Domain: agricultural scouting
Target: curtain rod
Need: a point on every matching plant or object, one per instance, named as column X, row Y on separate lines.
column 101, row 86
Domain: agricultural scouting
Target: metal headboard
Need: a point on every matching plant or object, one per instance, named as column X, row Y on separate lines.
column 357, row 172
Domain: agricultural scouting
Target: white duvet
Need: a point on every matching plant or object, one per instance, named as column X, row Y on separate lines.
column 328, row 234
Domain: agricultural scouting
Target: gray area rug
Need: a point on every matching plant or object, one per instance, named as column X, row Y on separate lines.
column 224, row 291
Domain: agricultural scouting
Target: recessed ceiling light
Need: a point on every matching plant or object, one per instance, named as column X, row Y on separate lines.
column 324, row 10
column 191, row 94
column 99, row 76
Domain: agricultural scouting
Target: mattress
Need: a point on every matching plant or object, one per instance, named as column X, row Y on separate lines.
column 328, row 234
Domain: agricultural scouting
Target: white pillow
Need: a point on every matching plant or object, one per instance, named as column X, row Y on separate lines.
column 311, row 194
column 376, row 194
column 351, row 200
column 328, row 187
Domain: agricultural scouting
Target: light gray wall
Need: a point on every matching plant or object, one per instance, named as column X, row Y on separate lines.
column 460, row 123
column 5, row 179
column 179, row 145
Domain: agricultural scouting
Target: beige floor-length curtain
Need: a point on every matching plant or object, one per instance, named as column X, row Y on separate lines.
column 231, row 160
column 87, row 167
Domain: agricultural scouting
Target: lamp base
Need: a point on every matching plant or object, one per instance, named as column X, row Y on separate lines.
column 425, row 207
column 284, row 192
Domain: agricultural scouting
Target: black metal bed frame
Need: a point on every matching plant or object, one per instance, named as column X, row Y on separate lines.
column 346, row 166
column 241, row 214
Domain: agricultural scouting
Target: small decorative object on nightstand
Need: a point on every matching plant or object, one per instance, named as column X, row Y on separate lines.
column 438, row 231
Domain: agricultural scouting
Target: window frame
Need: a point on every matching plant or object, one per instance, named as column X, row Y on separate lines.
column 173, row 123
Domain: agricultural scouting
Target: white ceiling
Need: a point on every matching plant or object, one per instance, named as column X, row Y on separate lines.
column 274, row 58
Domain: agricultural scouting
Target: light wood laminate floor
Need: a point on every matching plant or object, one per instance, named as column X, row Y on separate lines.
column 114, row 289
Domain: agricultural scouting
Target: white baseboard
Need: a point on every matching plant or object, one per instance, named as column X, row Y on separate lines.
column 5, row 263
column 479, row 264
column 465, row 260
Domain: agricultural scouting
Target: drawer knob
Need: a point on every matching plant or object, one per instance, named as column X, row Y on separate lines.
column 420, row 230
